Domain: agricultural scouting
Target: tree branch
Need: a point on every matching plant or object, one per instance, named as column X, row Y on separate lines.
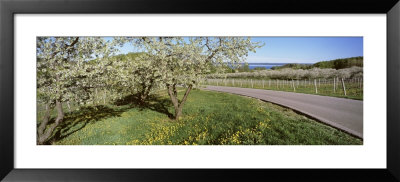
column 67, row 47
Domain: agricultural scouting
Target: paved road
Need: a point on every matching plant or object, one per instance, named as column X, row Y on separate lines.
column 345, row 114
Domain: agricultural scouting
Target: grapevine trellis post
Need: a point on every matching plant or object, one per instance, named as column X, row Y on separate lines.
column 344, row 87
column 69, row 106
column 96, row 96
column 319, row 82
column 334, row 85
column 294, row 87
column 315, row 85
column 337, row 82
column 104, row 96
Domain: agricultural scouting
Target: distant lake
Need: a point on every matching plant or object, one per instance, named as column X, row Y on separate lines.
column 265, row 65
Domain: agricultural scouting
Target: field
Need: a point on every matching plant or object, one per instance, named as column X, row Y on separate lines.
column 209, row 118
column 353, row 87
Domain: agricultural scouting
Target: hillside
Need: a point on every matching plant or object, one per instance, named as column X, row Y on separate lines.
column 334, row 64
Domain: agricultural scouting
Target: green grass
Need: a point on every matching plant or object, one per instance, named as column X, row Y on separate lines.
column 353, row 91
column 209, row 118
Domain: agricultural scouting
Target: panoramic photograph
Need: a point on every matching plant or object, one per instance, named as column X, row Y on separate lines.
column 199, row 90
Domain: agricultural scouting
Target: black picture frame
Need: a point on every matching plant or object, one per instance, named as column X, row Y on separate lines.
column 8, row 8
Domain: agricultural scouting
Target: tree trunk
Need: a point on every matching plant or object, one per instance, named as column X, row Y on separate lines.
column 145, row 92
column 43, row 124
column 43, row 133
column 178, row 106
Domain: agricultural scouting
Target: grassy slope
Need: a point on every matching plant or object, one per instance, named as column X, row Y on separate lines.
column 209, row 118
column 335, row 64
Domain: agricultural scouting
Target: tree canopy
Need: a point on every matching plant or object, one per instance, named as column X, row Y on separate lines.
column 178, row 61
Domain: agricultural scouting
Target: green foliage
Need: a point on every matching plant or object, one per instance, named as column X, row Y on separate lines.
column 244, row 68
column 128, row 56
column 293, row 66
column 349, row 62
column 259, row 68
column 340, row 63
column 224, row 68
column 210, row 118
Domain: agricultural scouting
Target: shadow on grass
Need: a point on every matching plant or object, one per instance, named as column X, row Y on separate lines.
column 77, row 120
column 153, row 102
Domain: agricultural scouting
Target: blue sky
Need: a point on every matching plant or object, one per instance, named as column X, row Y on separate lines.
column 299, row 49
column 305, row 49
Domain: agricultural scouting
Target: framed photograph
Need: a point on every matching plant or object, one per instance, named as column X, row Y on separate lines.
column 132, row 90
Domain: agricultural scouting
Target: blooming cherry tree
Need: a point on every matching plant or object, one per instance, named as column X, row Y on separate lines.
column 184, row 61
column 64, row 71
